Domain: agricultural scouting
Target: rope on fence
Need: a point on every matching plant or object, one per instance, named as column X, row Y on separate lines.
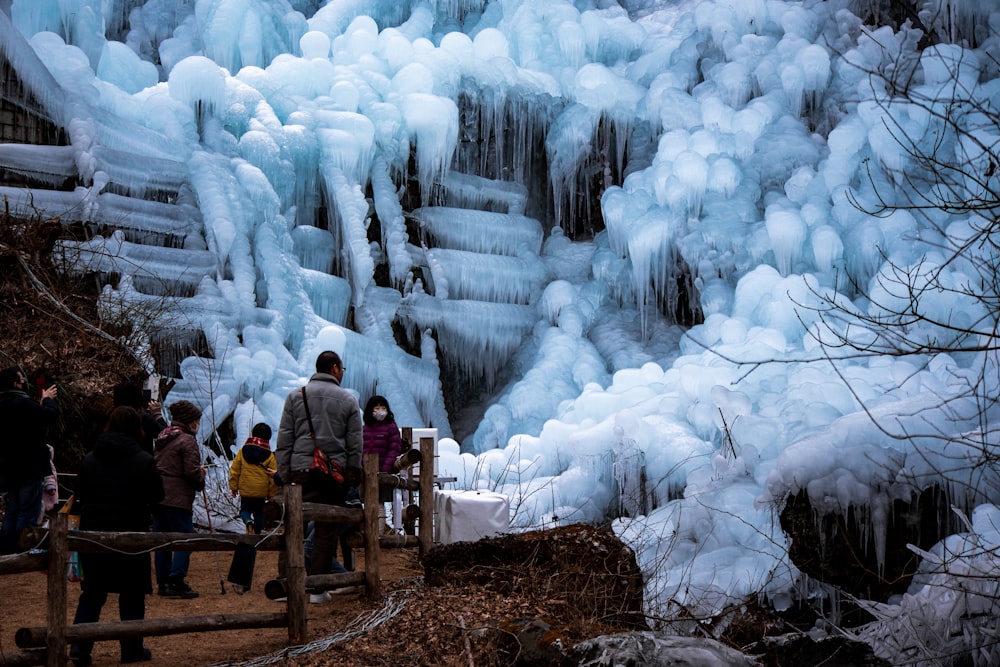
column 394, row 604
column 195, row 537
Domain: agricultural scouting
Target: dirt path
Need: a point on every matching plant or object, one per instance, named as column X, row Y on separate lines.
column 22, row 604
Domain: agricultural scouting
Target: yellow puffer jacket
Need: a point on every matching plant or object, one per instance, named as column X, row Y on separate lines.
column 248, row 473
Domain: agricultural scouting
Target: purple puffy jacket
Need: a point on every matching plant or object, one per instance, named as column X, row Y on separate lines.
column 383, row 439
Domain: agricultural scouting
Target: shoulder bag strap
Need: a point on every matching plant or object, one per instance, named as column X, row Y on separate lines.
column 305, row 404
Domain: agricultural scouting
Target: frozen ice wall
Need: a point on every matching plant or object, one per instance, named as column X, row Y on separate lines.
column 750, row 152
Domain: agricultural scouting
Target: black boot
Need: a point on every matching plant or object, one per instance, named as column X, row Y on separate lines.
column 80, row 657
column 142, row 655
column 176, row 588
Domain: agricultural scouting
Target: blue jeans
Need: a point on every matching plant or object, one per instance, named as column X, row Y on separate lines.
column 172, row 565
column 335, row 565
column 252, row 513
column 22, row 508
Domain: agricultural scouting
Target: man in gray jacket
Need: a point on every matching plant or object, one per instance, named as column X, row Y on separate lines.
column 325, row 415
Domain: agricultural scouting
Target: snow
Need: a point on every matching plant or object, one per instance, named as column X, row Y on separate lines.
column 243, row 166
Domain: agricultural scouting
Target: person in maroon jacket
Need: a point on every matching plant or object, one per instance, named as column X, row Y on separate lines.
column 178, row 459
column 382, row 437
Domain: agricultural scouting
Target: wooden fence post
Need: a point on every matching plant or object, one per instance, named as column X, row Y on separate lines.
column 425, row 531
column 55, row 612
column 295, row 565
column 373, row 580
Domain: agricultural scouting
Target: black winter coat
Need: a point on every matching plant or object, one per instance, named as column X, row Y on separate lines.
column 151, row 427
column 24, row 452
column 117, row 486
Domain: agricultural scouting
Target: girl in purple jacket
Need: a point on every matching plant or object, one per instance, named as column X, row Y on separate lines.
column 382, row 437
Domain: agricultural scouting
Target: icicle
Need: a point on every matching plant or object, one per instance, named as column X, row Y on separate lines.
column 478, row 336
column 347, row 143
column 303, row 152
column 480, row 231
column 432, row 123
column 315, row 248
column 627, row 468
column 197, row 80
column 393, row 224
column 567, row 144
column 482, row 277
column 330, row 296
column 470, row 191
column 349, row 214
column 787, row 232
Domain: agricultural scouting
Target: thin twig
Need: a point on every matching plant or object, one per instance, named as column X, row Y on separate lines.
column 44, row 291
column 465, row 638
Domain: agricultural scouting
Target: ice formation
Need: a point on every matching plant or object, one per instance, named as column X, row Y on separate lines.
column 232, row 157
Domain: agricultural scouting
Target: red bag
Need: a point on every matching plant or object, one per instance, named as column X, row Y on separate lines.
column 323, row 463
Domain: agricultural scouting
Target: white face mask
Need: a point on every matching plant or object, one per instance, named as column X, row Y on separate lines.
column 380, row 413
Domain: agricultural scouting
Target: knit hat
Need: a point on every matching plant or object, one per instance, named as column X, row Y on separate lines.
column 184, row 412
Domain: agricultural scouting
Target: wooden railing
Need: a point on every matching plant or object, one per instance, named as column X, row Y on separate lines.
column 47, row 645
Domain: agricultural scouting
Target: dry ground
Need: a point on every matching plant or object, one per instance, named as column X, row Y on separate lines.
column 22, row 604
column 478, row 596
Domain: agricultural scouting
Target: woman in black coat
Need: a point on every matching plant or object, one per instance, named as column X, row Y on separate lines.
column 117, row 486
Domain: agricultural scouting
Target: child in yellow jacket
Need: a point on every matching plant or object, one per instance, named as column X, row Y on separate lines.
column 252, row 477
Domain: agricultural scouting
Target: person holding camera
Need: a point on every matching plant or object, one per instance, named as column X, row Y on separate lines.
column 24, row 453
column 132, row 395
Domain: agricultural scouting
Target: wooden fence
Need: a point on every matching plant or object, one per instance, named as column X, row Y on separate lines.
column 47, row 645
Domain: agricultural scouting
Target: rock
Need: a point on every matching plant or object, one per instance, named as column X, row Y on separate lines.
column 840, row 550
column 538, row 642
column 637, row 649
column 801, row 650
